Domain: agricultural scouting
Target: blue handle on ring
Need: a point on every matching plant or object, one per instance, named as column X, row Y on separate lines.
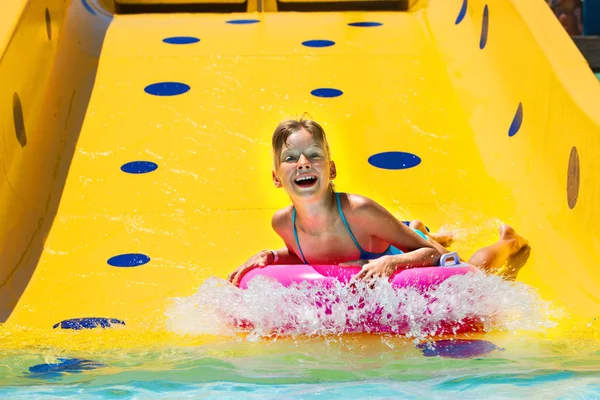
column 446, row 256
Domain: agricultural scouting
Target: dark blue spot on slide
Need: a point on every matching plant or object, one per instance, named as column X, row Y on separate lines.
column 181, row 40
column 394, row 160
column 327, row 92
column 65, row 365
column 243, row 21
column 365, row 24
column 517, row 121
column 88, row 323
column 139, row 167
column 318, row 43
column 459, row 348
column 484, row 28
column 88, row 7
column 462, row 12
column 167, row 88
column 128, row 260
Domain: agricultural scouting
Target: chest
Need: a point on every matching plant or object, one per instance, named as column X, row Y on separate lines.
column 334, row 244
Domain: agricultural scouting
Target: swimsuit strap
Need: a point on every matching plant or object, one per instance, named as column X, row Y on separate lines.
column 296, row 234
column 339, row 206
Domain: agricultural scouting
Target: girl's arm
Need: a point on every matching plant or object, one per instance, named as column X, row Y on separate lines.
column 380, row 223
column 261, row 260
column 283, row 256
column 268, row 257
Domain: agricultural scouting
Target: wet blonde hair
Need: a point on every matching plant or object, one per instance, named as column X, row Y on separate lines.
column 291, row 125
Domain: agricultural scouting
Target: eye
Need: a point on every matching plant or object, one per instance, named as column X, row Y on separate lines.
column 315, row 155
column 289, row 159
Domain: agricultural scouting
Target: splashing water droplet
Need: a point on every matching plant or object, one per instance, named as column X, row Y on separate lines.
column 268, row 309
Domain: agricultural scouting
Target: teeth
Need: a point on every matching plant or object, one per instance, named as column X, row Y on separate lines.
column 304, row 178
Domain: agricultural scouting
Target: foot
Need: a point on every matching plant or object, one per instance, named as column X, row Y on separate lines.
column 445, row 239
column 508, row 233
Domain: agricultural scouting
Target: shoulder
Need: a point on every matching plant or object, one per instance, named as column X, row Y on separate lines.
column 282, row 219
column 356, row 203
column 364, row 211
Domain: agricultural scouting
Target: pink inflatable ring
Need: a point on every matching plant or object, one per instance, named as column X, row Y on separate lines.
column 326, row 276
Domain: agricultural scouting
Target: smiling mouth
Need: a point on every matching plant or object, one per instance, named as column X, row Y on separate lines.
column 305, row 180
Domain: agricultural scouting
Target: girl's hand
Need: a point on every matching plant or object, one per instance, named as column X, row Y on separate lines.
column 384, row 267
column 260, row 260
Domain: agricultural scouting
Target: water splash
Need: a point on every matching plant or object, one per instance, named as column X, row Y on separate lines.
column 474, row 301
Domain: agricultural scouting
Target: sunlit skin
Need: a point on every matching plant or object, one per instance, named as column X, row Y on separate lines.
column 322, row 234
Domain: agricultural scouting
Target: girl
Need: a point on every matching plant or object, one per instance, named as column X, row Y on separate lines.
column 326, row 227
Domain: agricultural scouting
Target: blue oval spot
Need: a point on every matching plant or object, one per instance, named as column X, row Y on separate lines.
column 64, row 365
column 139, row 167
column 318, row 43
column 88, row 323
column 181, row 40
column 166, row 88
column 457, row 348
column 365, row 24
column 243, row 21
column 484, row 28
column 394, row 160
column 516, row 122
column 462, row 12
column 128, row 260
column 327, row 92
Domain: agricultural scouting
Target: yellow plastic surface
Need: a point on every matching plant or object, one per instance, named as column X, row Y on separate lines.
column 419, row 83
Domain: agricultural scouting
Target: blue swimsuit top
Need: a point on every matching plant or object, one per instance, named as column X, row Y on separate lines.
column 364, row 255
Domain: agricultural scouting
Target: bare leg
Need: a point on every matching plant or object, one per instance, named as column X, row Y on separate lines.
column 444, row 239
column 493, row 257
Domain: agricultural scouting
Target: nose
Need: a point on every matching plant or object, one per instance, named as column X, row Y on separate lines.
column 303, row 163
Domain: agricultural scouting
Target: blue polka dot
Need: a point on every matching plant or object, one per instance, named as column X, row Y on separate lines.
column 327, row 92
column 87, row 323
column 318, row 43
column 462, row 12
column 128, row 260
column 243, row 21
column 394, row 160
column 139, row 167
column 167, row 88
column 457, row 348
column 484, row 28
column 517, row 121
column 365, row 24
column 181, row 40
column 64, row 366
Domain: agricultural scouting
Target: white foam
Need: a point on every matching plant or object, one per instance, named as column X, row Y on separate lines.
column 267, row 308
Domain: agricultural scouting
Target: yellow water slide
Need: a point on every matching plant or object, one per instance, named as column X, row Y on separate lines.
column 135, row 142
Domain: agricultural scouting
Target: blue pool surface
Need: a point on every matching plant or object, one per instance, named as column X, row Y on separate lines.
column 378, row 367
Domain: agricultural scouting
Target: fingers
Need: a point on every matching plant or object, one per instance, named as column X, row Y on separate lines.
column 363, row 273
column 368, row 273
column 232, row 275
column 236, row 276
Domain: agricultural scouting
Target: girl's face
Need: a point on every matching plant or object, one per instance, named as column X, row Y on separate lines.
column 305, row 169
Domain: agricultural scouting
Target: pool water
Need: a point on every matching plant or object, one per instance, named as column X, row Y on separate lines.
column 514, row 358
column 348, row 367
